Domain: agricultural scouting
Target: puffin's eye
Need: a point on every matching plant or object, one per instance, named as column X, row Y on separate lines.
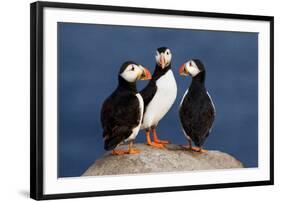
column 167, row 53
column 133, row 68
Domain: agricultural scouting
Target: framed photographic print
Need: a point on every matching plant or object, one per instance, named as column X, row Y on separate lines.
column 136, row 100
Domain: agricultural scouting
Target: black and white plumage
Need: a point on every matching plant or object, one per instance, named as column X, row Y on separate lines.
column 122, row 111
column 159, row 95
column 197, row 110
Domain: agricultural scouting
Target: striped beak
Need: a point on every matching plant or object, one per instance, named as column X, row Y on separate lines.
column 162, row 61
column 145, row 74
column 183, row 71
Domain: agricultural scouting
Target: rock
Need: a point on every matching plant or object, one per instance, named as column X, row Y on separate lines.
column 151, row 160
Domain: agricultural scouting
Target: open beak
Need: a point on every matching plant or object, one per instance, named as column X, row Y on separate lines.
column 145, row 74
column 183, row 71
column 162, row 61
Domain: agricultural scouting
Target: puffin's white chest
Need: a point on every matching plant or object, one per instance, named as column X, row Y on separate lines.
column 136, row 129
column 162, row 101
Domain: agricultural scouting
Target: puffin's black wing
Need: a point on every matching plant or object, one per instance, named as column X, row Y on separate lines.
column 197, row 115
column 120, row 114
column 148, row 92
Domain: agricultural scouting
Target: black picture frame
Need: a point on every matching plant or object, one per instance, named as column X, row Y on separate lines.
column 37, row 99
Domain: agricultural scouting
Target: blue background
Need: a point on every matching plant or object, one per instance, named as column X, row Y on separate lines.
column 91, row 55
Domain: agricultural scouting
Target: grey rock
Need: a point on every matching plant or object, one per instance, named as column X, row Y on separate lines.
column 150, row 160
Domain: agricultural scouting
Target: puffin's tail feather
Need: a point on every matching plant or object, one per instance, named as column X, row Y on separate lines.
column 119, row 135
column 200, row 139
column 111, row 143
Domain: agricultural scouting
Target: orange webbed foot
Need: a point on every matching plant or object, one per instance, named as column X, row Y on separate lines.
column 155, row 138
column 119, row 152
column 194, row 149
column 161, row 141
column 153, row 144
column 156, row 145
column 133, row 151
column 198, row 149
column 122, row 152
column 201, row 150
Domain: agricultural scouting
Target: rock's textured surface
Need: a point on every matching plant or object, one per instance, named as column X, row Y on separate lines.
column 150, row 160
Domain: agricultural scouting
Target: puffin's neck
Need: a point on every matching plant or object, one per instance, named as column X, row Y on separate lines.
column 199, row 79
column 158, row 72
column 125, row 85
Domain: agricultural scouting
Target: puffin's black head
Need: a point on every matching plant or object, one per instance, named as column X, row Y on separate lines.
column 192, row 67
column 163, row 57
column 131, row 72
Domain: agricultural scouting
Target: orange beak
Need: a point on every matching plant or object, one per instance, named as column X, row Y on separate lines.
column 183, row 71
column 162, row 61
column 145, row 74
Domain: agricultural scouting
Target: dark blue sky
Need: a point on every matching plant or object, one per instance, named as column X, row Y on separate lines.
column 91, row 55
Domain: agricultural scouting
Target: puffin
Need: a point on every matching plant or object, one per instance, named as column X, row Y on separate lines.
column 158, row 96
column 197, row 110
column 122, row 112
